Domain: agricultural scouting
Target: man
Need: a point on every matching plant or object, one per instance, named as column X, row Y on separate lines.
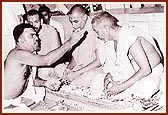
column 47, row 34
column 45, row 11
column 49, row 38
column 129, row 57
column 19, row 61
column 84, row 54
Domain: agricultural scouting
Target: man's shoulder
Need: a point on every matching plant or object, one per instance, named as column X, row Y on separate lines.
column 56, row 24
column 53, row 22
column 46, row 27
column 20, row 52
column 14, row 53
column 47, row 30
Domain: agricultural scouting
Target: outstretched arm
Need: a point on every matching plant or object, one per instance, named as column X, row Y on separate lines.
column 52, row 83
column 29, row 58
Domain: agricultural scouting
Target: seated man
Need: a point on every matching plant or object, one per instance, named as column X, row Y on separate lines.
column 130, row 56
column 85, row 53
column 125, row 69
column 17, row 67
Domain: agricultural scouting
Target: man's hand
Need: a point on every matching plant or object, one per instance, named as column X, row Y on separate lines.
column 53, row 84
column 67, row 79
column 67, row 71
column 114, row 90
column 76, row 36
column 107, row 81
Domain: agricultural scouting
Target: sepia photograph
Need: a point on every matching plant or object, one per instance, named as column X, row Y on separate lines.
column 83, row 57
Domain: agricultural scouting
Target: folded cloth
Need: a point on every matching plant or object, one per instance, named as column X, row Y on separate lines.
column 32, row 92
column 15, row 105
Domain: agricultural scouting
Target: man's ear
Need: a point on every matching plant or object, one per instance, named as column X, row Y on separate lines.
column 107, row 28
column 50, row 14
column 20, row 40
column 86, row 17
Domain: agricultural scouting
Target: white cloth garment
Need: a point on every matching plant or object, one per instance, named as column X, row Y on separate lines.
column 85, row 53
column 121, row 67
column 59, row 28
column 16, row 102
column 35, row 93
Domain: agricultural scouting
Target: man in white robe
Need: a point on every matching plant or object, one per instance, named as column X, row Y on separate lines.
column 130, row 56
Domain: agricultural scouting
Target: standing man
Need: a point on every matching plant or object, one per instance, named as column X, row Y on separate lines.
column 45, row 11
column 47, row 34
column 49, row 38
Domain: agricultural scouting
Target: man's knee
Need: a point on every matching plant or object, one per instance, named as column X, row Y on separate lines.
column 146, row 87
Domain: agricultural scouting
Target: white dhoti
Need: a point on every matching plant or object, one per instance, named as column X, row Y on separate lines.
column 148, row 85
column 31, row 92
column 121, row 64
column 35, row 94
column 17, row 105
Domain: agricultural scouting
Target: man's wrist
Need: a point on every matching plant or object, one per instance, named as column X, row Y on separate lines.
column 43, row 82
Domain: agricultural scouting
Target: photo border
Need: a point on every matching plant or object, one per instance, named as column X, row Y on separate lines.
column 77, row 1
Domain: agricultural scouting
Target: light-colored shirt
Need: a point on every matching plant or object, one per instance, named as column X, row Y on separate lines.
column 48, row 38
column 59, row 28
column 85, row 53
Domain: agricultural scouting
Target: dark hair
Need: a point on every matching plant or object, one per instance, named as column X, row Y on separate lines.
column 31, row 13
column 44, row 8
column 18, row 30
column 105, row 18
column 79, row 8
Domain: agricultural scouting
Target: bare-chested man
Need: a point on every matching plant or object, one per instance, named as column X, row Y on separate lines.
column 21, row 58
column 133, row 59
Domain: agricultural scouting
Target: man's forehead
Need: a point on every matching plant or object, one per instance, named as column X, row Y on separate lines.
column 29, row 30
column 97, row 26
column 44, row 12
column 75, row 15
column 35, row 16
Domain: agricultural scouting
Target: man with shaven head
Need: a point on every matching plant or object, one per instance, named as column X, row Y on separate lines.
column 84, row 56
column 129, row 56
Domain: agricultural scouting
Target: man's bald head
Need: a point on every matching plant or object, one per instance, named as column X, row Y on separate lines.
column 104, row 18
column 78, row 8
column 78, row 16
